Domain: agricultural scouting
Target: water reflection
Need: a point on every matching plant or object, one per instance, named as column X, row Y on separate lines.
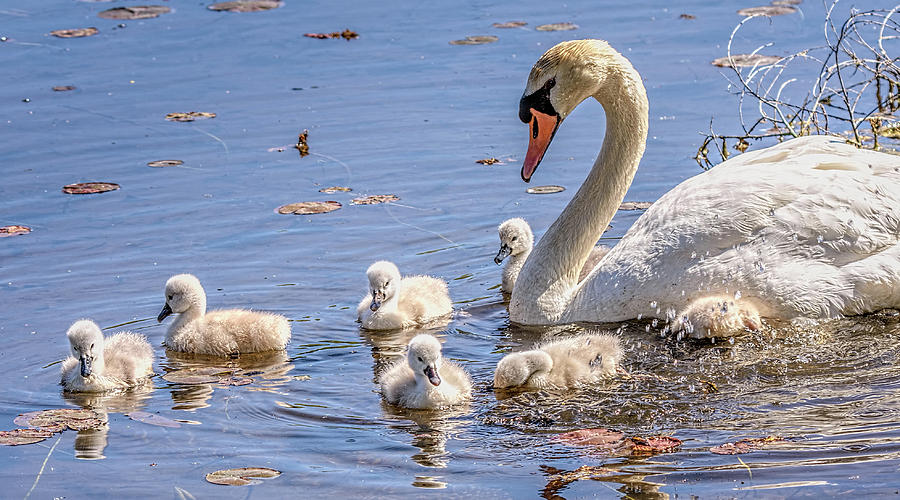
column 196, row 376
column 631, row 485
column 90, row 443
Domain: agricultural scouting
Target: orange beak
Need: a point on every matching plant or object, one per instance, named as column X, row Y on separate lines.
column 542, row 127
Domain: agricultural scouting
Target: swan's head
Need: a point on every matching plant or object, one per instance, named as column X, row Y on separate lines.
column 560, row 80
column 86, row 342
column 183, row 292
column 516, row 369
column 424, row 357
column 384, row 278
column 515, row 238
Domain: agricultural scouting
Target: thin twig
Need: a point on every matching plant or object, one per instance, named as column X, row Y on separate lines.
column 41, row 472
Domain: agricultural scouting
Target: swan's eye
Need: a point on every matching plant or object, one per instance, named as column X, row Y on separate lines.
column 92, row 346
column 421, row 360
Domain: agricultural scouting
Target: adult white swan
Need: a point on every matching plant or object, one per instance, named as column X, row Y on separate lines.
column 807, row 228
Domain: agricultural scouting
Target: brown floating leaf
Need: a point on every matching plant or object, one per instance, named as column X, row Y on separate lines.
column 189, row 116
column 374, row 199
column 744, row 445
column 63, row 88
column 652, row 444
column 59, row 419
column 135, row 12
column 199, row 375
column 153, row 419
column 475, row 40
column 346, row 35
column 510, row 24
column 236, row 380
column 635, row 205
column 591, row 437
column 245, row 6
column 335, row 189
column 242, row 476
column 687, row 16
column 557, row 27
column 75, row 33
column 89, row 187
column 17, row 437
column 545, row 189
column 13, row 231
column 309, row 207
column 302, row 146
column 488, row 161
column 745, row 60
column 165, row 163
column 767, row 10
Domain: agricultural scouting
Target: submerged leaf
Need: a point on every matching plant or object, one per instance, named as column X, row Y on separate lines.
column 13, row 230
column 245, row 6
column 165, row 163
column 745, row 61
column 335, row 189
column 153, row 419
column 242, row 476
column 199, row 375
column 63, row 88
column 89, row 187
column 510, row 24
column 652, row 445
column 635, row 205
column 545, row 189
column 374, row 199
column 135, row 12
column 347, row 34
column 309, row 207
column 488, row 161
column 189, row 116
column 591, row 437
column 475, row 40
column 767, row 10
column 75, row 33
column 744, row 445
column 557, row 27
column 18, row 437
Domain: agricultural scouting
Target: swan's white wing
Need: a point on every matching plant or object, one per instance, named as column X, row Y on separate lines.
column 810, row 227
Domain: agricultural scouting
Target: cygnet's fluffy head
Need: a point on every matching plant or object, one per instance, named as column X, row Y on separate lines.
column 384, row 278
column 515, row 238
column 515, row 369
column 86, row 342
column 183, row 291
column 424, row 357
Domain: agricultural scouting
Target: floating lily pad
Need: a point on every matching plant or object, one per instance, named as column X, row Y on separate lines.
column 510, row 24
column 767, row 10
column 488, row 161
column 153, row 419
column 545, row 189
column 744, row 445
column 335, row 189
column 13, row 231
column 189, row 116
column 165, row 163
column 745, row 61
column 135, row 12
column 557, row 27
column 59, row 419
column 309, row 207
column 346, row 35
column 63, row 88
column 18, row 437
column 199, row 375
column 75, row 33
column 89, row 187
column 375, row 199
column 242, row 476
column 591, row 437
column 635, row 205
column 652, row 445
column 475, row 40
column 245, row 6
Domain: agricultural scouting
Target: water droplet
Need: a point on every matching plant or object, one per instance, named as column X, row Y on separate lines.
column 640, row 315
column 654, row 322
column 652, row 303
column 737, row 295
column 820, row 239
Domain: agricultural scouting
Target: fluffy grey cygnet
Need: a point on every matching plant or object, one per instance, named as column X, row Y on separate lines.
column 425, row 380
column 100, row 364
column 394, row 302
column 562, row 363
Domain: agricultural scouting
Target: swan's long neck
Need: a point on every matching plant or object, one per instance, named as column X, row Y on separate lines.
column 549, row 278
column 196, row 311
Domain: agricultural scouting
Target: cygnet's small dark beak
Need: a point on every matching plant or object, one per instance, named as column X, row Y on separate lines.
column 85, row 366
column 502, row 254
column 166, row 310
column 377, row 299
column 432, row 375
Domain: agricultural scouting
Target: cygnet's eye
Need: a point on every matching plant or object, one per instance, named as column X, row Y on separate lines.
column 169, row 297
column 514, row 238
column 387, row 283
column 92, row 346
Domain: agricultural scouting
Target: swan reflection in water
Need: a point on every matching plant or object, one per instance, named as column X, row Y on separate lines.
column 90, row 443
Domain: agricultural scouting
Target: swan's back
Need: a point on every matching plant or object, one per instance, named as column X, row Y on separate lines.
column 809, row 227
column 423, row 298
column 228, row 331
